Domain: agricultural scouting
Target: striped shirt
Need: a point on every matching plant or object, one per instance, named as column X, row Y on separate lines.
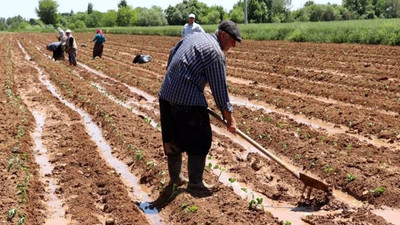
column 194, row 62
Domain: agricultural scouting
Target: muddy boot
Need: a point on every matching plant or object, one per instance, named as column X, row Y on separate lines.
column 196, row 185
column 174, row 169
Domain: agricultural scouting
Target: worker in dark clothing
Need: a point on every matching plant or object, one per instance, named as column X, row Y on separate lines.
column 56, row 48
column 185, row 122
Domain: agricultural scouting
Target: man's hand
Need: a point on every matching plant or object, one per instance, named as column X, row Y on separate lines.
column 231, row 122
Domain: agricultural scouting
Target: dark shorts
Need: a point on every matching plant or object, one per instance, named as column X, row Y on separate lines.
column 187, row 128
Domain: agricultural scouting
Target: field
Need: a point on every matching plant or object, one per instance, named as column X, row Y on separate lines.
column 82, row 145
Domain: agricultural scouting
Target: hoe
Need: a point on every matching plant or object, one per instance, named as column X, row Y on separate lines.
column 307, row 179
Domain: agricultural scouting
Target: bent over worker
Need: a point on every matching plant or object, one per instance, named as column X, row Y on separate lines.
column 185, row 122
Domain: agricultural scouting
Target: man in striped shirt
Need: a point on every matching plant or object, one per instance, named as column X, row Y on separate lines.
column 185, row 122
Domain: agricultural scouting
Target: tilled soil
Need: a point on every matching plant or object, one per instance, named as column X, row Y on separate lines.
column 350, row 90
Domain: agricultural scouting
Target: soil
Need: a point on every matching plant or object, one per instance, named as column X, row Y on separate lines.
column 328, row 109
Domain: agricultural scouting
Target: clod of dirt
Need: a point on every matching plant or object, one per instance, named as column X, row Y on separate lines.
column 110, row 221
column 385, row 134
column 100, row 184
column 256, row 165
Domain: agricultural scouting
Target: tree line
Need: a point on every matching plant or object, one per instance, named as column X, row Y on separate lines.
column 259, row 11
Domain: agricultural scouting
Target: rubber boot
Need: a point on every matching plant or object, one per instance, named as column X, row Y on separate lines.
column 196, row 164
column 174, row 169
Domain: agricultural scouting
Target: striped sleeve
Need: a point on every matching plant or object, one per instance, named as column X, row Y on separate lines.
column 216, row 73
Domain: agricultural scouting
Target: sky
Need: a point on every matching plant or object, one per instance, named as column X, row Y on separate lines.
column 26, row 8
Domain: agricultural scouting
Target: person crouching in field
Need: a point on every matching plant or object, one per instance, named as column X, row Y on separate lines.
column 98, row 40
column 56, row 48
column 185, row 122
column 71, row 48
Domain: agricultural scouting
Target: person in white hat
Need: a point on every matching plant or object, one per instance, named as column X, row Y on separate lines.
column 191, row 26
column 71, row 47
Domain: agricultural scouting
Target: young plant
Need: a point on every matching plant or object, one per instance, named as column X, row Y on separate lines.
column 232, row 180
column 191, row 209
column 254, row 204
column 377, row 191
column 350, row 178
column 139, row 155
column 328, row 169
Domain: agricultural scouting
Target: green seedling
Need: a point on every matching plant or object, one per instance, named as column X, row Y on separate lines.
column 20, row 131
column 248, row 130
column 285, row 145
column 335, row 142
column 244, row 190
column 287, row 222
column 313, row 162
column 139, row 155
column 150, row 163
column 350, row 178
column 328, row 169
column 298, row 156
column 21, row 219
column 255, row 203
column 191, row 209
column 208, row 167
column 377, row 191
column 147, row 119
column 15, row 150
column 11, row 214
column 261, row 136
column 232, row 180
column 216, row 167
column 183, row 206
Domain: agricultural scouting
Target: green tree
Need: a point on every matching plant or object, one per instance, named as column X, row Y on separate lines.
column 124, row 16
column 93, row 20
column 257, row 11
column 173, row 15
column 279, row 10
column 237, row 13
column 47, row 11
column 109, row 19
column 3, row 24
column 212, row 17
column 221, row 12
column 360, row 8
column 122, row 3
column 392, row 8
column 151, row 17
column 192, row 6
column 89, row 8
column 77, row 24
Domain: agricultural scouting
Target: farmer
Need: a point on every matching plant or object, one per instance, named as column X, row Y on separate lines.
column 98, row 40
column 61, row 36
column 185, row 123
column 58, row 47
column 71, row 48
column 191, row 27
